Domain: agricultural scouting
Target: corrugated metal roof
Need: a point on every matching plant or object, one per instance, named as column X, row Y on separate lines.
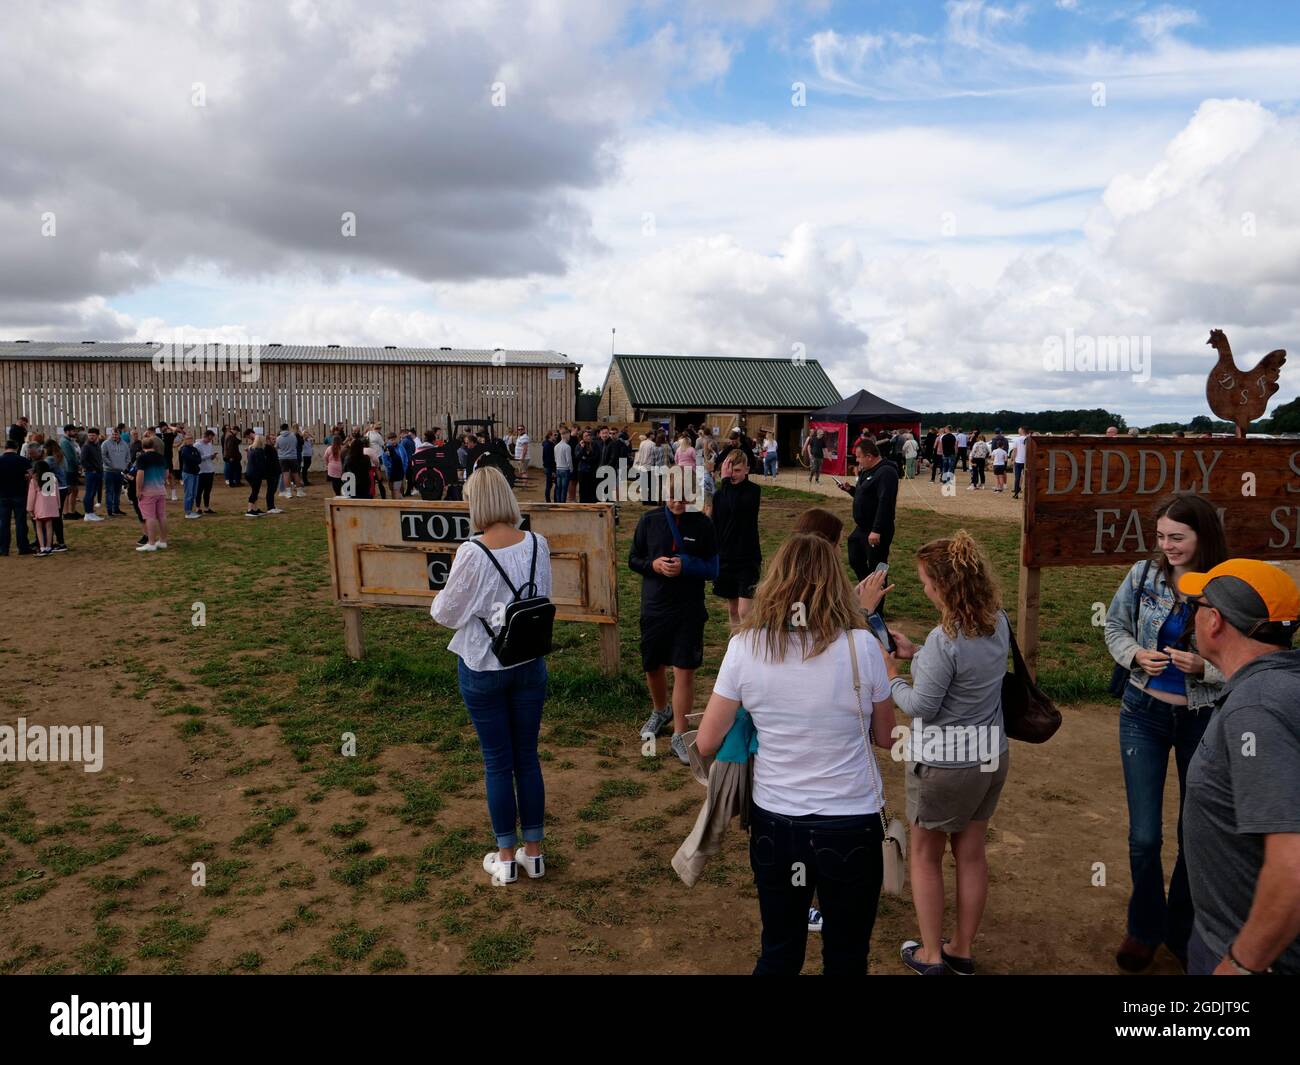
column 722, row 383
column 140, row 352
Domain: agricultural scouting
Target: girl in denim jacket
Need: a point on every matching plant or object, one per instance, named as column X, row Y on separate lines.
column 1167, row 702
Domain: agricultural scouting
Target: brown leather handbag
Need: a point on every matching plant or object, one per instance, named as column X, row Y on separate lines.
column 1028, row 714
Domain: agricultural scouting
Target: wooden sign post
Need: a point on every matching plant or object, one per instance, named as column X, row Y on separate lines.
column 398, row 552
column 1091, row 501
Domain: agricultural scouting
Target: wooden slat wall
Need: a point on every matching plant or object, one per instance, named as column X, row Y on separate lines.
column 102, row 393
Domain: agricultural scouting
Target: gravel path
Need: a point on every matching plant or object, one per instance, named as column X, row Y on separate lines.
column 921, row 493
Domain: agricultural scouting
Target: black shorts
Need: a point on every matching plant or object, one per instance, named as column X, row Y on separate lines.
column 736, row 582
column 672, row 642
column 288, row 465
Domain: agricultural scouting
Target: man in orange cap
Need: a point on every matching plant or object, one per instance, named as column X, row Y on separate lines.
column 1241, row 819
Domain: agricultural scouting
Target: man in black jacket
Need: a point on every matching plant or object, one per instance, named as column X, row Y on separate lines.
column 675, row 551
column 874, row 500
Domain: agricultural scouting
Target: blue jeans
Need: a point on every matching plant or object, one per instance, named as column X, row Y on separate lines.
column 1201, row 960
column 232, row 472
column 1148, row 729
column 769, row 465
column 1020, row 471
column 506, row 708
column 949, row 465
column 562, row 478
column 191, row 491
column 93, row 481
column 113, row 491
column 840, row 859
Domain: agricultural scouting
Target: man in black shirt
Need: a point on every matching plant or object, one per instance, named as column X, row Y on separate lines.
column 675, row 551
column 947, row 446
column 13, row 498
column 18, row 433
column 816, row 446
column 874, row 500
column 735, row 521
column 168, row 434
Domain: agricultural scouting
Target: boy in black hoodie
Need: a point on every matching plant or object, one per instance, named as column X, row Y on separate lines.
column 675, row 550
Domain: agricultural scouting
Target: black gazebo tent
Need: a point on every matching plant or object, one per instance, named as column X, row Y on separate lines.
column 864, row 408
column 845, row 420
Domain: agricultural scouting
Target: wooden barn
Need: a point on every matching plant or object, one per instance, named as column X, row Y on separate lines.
column 718, row 391
column 101, row 384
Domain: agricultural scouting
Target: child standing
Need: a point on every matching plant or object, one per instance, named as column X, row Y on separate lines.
column 43, row 505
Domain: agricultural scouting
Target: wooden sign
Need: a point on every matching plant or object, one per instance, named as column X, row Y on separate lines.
column 398, row 553
column 1092, row 501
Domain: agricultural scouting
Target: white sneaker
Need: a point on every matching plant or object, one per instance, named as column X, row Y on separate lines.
column 194, row 515
column 92, row 517
column 173, row 497
column 147, row 547
column 534, row 867
column 275, row 510
column 501, row 872
column 162, row 544
column 301, row 492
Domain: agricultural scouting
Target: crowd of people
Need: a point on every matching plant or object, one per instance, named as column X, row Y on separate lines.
column 811, row 683
column 941, row 449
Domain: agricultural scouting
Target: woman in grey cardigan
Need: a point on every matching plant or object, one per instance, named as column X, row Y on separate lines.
column 1167, row 702
column 955, row 750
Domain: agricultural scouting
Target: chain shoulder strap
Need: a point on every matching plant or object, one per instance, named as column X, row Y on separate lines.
column 874, row 769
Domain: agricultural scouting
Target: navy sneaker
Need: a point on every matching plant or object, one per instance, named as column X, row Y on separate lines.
column 917, row 966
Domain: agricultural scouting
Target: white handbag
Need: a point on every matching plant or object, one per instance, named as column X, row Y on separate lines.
column 894, row 845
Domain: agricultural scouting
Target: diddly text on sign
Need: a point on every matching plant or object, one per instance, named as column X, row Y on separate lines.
column 1093, row 502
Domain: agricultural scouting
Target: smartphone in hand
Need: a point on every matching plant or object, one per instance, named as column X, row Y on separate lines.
column 882, row 633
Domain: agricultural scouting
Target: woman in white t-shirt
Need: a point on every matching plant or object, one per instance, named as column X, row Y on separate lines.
column 815, row 823
column 505, row 703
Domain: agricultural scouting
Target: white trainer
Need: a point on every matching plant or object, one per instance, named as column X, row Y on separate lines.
column 275, row 510
column 147, row 547
column 501, row 872
column 162, row 544
column 534, row 867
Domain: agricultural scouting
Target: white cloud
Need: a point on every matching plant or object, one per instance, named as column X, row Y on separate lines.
column 1164, row 19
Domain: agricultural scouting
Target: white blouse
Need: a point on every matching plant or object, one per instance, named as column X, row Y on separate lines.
column 474, row 590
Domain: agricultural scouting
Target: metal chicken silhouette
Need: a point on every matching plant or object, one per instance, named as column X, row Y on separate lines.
column 1237, row 395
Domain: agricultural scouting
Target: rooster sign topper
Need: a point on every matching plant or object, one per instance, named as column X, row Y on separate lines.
column 1236, row 395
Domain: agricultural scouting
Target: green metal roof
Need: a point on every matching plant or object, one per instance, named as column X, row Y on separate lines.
column 724, row 383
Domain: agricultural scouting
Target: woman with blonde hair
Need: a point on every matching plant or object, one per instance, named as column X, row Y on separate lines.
column 817, row 793
column 504, row 702
column 955, row 752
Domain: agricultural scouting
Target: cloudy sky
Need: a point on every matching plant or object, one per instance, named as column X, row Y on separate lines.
column 921, row 195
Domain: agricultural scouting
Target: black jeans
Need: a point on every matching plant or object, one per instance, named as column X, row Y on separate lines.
column 16, row 508
column 977, row 471
column 863, row 558
column 205, row 489
column 839, row 858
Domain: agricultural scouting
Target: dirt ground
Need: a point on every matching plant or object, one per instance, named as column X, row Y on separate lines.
column 921, row 493
column 611, row 907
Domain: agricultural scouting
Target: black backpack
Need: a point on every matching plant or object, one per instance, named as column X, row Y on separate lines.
column 526, row 630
